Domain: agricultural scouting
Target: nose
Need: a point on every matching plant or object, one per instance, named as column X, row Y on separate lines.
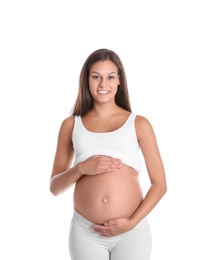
column 103, row 82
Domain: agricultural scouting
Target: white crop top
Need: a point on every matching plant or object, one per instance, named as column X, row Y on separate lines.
column 121, row 143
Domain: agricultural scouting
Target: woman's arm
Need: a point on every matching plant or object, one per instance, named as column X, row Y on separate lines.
column 155, row 169
column 63, row 176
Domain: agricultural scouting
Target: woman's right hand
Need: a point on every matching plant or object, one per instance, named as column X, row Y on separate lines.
column 98, row 164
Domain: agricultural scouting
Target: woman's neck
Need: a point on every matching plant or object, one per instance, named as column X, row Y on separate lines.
column 104, row 110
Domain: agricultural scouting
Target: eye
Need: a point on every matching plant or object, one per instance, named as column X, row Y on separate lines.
column 111, row 77
column 96, row 77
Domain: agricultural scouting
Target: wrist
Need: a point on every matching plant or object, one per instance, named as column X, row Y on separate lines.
column 79, row 169
column 133, row 221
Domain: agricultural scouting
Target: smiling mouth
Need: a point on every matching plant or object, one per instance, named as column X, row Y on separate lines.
column 103, row 91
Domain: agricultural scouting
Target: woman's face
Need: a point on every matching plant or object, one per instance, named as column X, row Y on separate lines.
column 103, row 81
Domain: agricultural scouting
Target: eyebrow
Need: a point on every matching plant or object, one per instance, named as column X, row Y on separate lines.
column 99, row 73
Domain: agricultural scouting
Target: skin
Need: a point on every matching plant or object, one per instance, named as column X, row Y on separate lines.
column 106, row 204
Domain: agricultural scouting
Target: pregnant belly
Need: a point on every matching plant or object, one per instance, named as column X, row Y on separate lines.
column 108, row 196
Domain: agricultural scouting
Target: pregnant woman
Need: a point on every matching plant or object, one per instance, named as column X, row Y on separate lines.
column 98, row 150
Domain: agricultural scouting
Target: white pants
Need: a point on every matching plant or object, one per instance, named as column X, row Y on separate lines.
column 87, row 244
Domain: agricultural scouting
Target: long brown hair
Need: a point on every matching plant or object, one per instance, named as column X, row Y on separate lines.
column 84, row 101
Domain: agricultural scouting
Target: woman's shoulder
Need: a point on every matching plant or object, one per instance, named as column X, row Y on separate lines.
column 143, row 124
column 140, row 119
column 67, row 124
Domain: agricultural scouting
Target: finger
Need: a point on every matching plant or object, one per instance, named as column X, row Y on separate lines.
column 105, row 170
column 106, row 235
column 102, row 230
column 108, row 167
column 111, row 223
column 110, row 161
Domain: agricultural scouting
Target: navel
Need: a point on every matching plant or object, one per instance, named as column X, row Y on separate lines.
column 104, row 200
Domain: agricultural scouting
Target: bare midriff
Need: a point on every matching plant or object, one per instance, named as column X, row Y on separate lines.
column 108, row 196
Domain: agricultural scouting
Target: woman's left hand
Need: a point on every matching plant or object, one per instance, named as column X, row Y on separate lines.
column 114, row 227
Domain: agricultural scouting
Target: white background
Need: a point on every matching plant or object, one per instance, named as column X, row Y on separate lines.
column 163, row 45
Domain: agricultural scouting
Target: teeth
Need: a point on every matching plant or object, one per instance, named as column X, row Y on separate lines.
column 103, row 91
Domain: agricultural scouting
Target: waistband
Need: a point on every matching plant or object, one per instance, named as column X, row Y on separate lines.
column 81, row 219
